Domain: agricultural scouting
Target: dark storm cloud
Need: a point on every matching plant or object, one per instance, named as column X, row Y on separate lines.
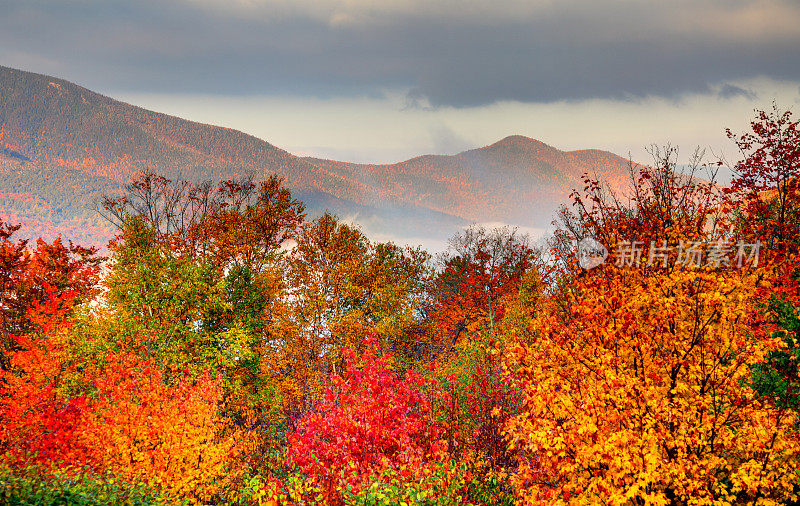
column 609, row 49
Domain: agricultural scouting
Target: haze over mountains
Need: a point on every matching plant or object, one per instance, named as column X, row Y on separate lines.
column 63, row 146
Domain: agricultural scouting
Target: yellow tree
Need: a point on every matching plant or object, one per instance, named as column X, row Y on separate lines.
column 638, row 376
column 639, row 394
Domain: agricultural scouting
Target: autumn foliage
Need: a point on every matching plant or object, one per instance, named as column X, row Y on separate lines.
column 367, row 421
column 236, row 351
column 641, row 396
column 118, row 418
column 41, row 424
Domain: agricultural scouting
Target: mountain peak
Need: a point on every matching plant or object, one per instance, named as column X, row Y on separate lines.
column 520, row 142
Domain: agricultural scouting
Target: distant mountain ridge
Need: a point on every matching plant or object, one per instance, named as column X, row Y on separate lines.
column 500, row 182
column 63, row 146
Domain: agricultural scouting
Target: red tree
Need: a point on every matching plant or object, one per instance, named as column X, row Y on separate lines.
column 766, row 185
column 25, row 273
column 368, row 420
column 41, row 423
column 479, row 273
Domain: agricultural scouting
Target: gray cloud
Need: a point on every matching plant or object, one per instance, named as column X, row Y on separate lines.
column 445, row 55
column 729, row 91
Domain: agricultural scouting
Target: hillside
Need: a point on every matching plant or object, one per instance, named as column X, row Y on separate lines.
column 62, row 146
column 518, row 179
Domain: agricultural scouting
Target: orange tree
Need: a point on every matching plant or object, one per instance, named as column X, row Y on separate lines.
column 477, row 274
column 637, row 381
column 340, row 286
column 640, row 394
column 167, row 435
column 42, row 423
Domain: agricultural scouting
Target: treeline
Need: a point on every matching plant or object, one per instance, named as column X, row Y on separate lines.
column 235, row 352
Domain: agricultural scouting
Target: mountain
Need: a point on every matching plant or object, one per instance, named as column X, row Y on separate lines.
column 517, row 180
column 63, row 146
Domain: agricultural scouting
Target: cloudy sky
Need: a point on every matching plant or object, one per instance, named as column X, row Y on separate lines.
column 383, row 80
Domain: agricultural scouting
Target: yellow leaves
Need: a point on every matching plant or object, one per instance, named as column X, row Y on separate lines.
column 235, row 345
column 625, row 401
column 340, row 287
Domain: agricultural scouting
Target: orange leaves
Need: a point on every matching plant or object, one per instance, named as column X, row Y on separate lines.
column 42, row 423
column 339, row 287
column 29, row 276
column 616, row 386
column 481, row 272
column 126, row 420
column 167, row 435
column 625, row 401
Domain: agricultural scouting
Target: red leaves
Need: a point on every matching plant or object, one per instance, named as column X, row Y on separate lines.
column 481, row 271
column 40, row 423
column 765, row 189
column 370, row 420
column 30, row 276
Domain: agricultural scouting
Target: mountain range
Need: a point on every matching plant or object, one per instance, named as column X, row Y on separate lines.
column 63, row 146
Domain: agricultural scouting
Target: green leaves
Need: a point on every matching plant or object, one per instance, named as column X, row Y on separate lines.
column 166, row 300
column 32, row 487
column 777, row 377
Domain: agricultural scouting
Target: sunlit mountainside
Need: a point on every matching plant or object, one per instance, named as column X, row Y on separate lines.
column 63, row 146
column 517, row 179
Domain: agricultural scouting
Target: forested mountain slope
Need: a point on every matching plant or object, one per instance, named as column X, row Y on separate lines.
column 62, row 146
